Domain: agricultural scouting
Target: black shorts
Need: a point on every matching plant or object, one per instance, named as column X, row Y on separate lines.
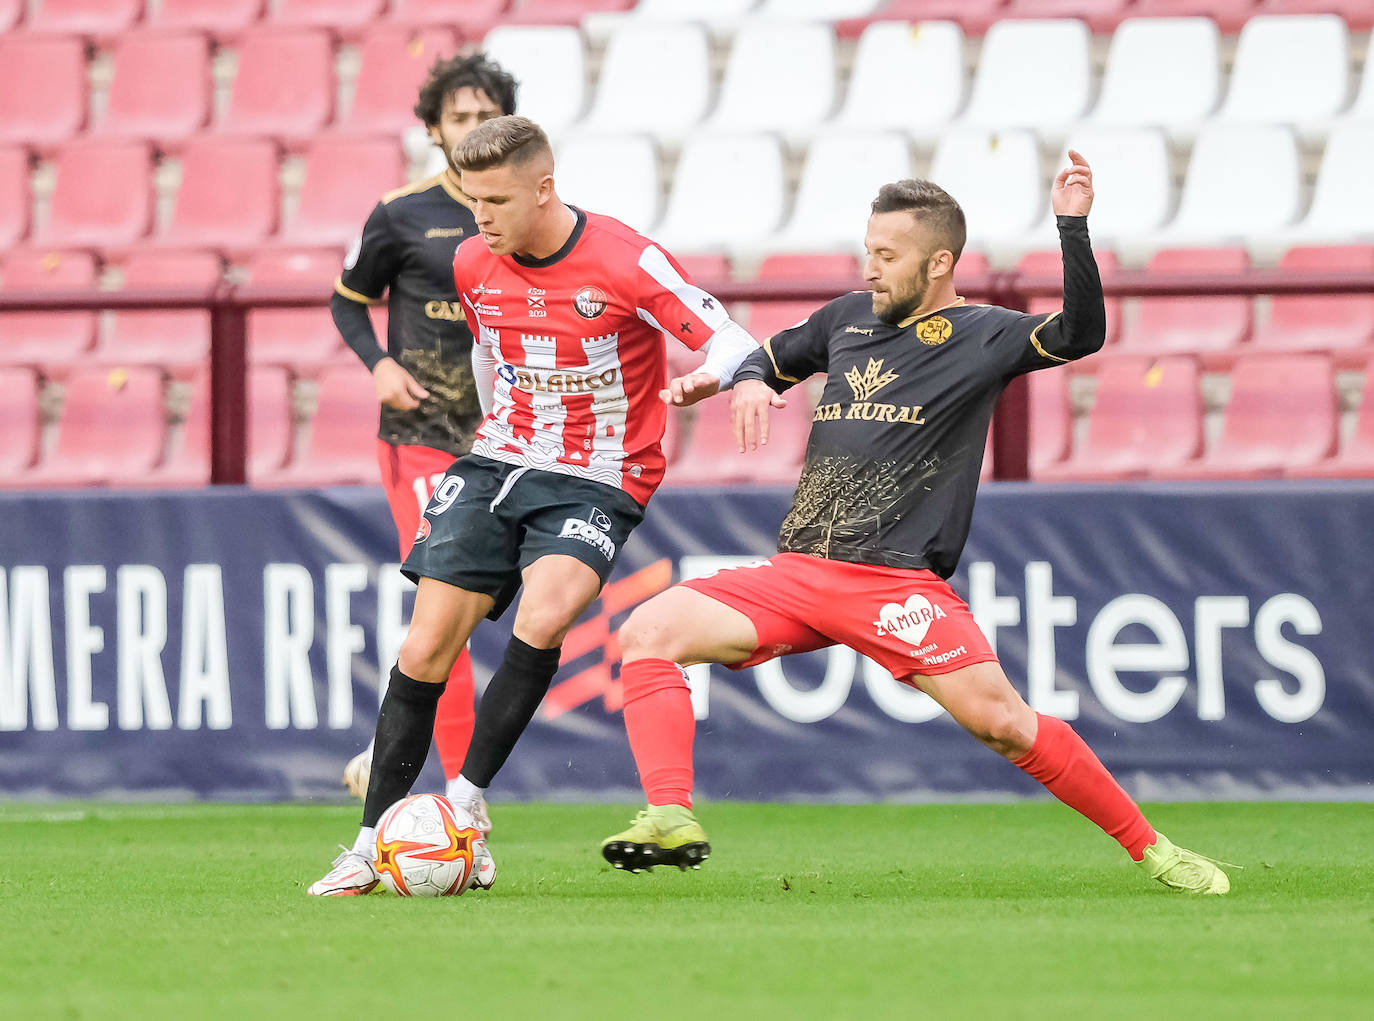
column 489, row 520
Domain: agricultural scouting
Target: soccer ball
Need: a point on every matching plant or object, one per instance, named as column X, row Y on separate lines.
column 426, row 848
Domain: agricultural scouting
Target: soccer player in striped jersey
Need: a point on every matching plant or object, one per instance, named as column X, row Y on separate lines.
column 570, row 310
column 881, row 513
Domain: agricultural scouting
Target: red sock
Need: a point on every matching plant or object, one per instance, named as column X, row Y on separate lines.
column 1067, row 767
column 453, row 720
column 660, row 724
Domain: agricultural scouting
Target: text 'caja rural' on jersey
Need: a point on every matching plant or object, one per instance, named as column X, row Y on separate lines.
column 406, row 251
column 897, row 439
column 578, row 344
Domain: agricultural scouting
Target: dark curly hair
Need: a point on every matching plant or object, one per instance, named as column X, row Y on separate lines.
column 475, row 71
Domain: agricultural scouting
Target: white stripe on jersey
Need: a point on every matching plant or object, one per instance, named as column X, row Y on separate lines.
column 702, row 304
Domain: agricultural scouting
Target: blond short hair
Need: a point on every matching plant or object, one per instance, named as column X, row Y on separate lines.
column 501, row 141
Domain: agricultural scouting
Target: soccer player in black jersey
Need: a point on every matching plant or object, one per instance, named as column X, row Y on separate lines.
column 881, row 514
column 424, row 381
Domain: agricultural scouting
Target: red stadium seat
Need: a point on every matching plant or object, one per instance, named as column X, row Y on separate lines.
column 335, row 15
column 708, row 268
column 15, row 200
column 560, row 12
column 219, row 17
column 160, row 88
column 1228, row 14
column 85, row 17
column 1281, row 417
column 302, row 338
column 20, row 426
column 765, row 318
column 710, row 457
column 1340, row 324
column 1102, row 16
column 1051, row 264
column 110, row 432
column 1051, row 419
column 344, row 178
column 229, row 194
column 52, row 340
column 1355, row 459
column 284, row 87
column 342, row 448
column 1212, row 326
column 973, row 16
column 472, row 18
column 178, row 341
column 10, row 10
column 1147, row 415
column 103, row 196
column 393, row 61
column 1358, row 14
column 42, row 89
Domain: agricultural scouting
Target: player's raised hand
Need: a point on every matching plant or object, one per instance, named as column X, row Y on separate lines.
column 749, row 406
column 397, row 388
column 1072, row 194
column 688, row 389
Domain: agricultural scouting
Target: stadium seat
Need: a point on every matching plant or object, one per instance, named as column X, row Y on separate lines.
column 10, row 10
column 392, row 62
column 1342, row 202
column 342, row 444
column 472, row 18
column 560, row 12
column 218, row 17
column 1101, row 16
column 84, row 17
column 302, row 338
column 1229, row 15
column 995, row 178
column 654, row 79
column 1244, row 183
column 1051, row 419
column 973, row 16
column 1281, row 416
column 710, row 456
column 748, row 169
column 51, row 340
column 1211, row 326
column 20, row 426
column 176, row 340
column 1134, row 94
column 820, row 10
column 630, row 193
column 15, row 199
column 766, row 318
column 1050, row 263
column 344, row 178
column 1015, row 86
column 110, row 432
column 839, row 181
column 1317, row 43
column 1355, row 458
column 897, row 59
column 708, row 268
column 343, row 16
column 103, row 195
column 1146, row 415
column 710, row 11
column 160, row 89
column 1342, row 325
column 780, row 77
column 1358, row 14
column 42, row 89
column 284, row 86
column 551, row 65
column 229, row 194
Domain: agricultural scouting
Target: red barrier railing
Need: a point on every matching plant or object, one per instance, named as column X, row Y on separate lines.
column 229, row 305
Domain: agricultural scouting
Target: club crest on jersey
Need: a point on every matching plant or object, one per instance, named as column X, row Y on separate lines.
column 589, row 301
column 909, row 621
column 934, row 331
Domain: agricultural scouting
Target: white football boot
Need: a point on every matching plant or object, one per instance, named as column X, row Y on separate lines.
column 483, row 868
column 353, row 874
column 481, row 814
column 358, row 772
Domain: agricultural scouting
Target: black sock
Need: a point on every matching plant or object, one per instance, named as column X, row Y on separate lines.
column 405, row 728
column 508, row 705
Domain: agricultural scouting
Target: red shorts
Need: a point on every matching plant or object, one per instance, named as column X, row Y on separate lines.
column 911, row 622
column 409, row 476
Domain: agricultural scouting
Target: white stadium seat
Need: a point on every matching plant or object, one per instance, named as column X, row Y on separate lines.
column 909, row 77
column 1343, row 201
column 655, row 78
column 728, row 194
column 839, row 180
column 996, row 178
column 780, row 77
column 1033, row 74
column 612, row 174
column 551, row 67
column 1315, row 46
column 1136, row 91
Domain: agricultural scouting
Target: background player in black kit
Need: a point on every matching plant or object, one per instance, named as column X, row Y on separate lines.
column 424, row 381
column 881, row 514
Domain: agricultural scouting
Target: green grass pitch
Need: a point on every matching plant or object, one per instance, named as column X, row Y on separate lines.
column 890, row 911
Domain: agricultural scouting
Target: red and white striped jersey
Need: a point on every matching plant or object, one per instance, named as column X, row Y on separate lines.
column 578, row 344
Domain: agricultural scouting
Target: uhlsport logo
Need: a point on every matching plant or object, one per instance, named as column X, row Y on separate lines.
column 593, row 531
column 589, row 301
column 909, row 621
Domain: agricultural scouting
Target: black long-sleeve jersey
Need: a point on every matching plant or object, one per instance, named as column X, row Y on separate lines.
column 897, row 440
column 406, row 251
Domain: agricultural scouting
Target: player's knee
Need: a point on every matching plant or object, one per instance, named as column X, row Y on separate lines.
column 545, row 623
column 647, row 635
column 426, row 656
column 1005, row 729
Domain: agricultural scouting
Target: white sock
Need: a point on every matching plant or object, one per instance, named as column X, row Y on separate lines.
column 366, row 844
column 462, row 791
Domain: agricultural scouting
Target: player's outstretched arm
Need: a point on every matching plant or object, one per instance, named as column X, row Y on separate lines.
column 1072, row 192
column 687, row 390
